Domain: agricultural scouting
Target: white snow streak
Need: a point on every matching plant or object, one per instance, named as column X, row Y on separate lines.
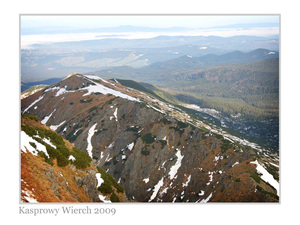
column 46, row 118
column 33, row 103
column 99, row 88
column 146, row 180
column 29, row 196
column 89, row 138
column 156, row 189
column 102, row 198
column 25, row 139
column 177, row 165
column 236, row 163
column 266, row 176
column 187, row 182
column 54, row 127
column 71, row 158
column 116, row 114
column 206, row 199
column 47, row 141
column 99, row 179
column 130, row 146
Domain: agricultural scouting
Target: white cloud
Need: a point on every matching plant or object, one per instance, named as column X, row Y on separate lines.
column 28, row 40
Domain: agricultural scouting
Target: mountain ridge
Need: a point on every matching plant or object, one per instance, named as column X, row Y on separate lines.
column 156, row 151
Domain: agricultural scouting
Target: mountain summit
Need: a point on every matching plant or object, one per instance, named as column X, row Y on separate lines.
column 156, row 151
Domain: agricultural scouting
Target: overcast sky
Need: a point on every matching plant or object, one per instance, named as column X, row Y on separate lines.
column 89, row 21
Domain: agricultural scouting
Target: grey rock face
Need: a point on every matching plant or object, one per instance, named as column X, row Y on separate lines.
column 89, row 184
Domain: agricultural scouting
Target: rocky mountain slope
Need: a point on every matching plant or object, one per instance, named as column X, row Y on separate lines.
column 53, row 170
column 156, row 151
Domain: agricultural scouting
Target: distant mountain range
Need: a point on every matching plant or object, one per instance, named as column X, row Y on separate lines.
column 245, row 83
column 232, row 83
column 242, row 43
column 128, row 28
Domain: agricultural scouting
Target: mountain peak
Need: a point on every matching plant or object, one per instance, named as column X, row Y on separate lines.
column 71, row 74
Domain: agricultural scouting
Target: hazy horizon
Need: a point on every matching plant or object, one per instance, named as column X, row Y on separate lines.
column 37, row 29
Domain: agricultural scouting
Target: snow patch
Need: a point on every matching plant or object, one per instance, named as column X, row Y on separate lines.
column 130, row 146
column 71, row 158
column 236, row 163
column 47, row 141
column 156, row 189
column 33, row 103
column 46, row 118
column 156, row 109
column 29, row 196
column 187, row 182
column 60, row 92
column 146, row 180
column 54, row 127
column 174, row 168
column 116, row 114
column 99, row 88
column 210, row 177
column 266, row 176
column 89, row 138
column 102, row 198
column 201, row 193
column 25, row 145
column 206, row 199
column 99, row 179
column 111, row 145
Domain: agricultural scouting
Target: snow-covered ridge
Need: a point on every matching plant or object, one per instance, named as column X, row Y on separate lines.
column 99, row 88
column 95, row 88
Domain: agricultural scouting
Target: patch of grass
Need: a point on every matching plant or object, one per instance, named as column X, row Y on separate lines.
column 181, row 125
column 225, row 145
column 163, row 143
column 145, row 152
column 165, row 121
column 109, row 181
column 32, row 117
column 92, row 109
column 109, row 102
column 30, row 131
column 83, row 160
column 114, row 198
column 32, row 144
column 272, row 170
column 259, row 188
column 71, row 136
column 148, row 138
column 255, row 176
column 181, row 131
